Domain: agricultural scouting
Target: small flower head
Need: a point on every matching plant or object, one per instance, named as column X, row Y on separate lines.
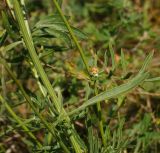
column 94, row 71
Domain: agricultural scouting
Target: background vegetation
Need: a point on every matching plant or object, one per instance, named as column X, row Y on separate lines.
column 79, row 76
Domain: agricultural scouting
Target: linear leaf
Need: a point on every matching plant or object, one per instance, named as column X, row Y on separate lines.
column 146, row 62
column 123, row 61
column 11, row 46
column 7, row 25
column 153, row 79
column 112, row 93
column 55, row 23
column 3, row 36
column 120, row 90
column 112, row 57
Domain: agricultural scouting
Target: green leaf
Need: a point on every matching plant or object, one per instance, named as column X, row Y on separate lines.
column 55, row 22
column 146, row 62
column 112, row 57
column 49, row 19
column 3, row 36
column 7, row 25
column 53, row 26
column 120, row 90
column 115, row 92
column 120, row 100
column 58, row 34
column 153, row 79
column 11, row 46
column 105, row 59
column 123, row 61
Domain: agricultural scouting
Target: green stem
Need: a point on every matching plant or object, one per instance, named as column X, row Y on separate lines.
column 33, row 107
column 72, row 35
column 99, row 114
column 3, row 81
column 30, row 46
column 9, row 109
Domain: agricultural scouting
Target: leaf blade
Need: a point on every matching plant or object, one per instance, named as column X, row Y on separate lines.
column 112, row 93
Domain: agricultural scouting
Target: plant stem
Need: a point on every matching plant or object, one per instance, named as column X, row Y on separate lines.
column 72, row 35
column 3, row 81
column 33, row 107
column 30, row 46
column 99, row 114
column 9, row 109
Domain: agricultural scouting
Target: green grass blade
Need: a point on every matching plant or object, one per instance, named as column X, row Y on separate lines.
column 7, row 25
column 123, row 61
column 112, row 93
column 11, row 46
column 153, row 79
column 105, row 59
column 112, row 57
column 146, row 62
column 3, row 37
column 9, row 109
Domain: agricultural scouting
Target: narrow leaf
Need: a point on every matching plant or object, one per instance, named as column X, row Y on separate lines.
column 146, row 62
column 3, row 37
column 112, row 57
column 123, row 61
column 153, row 79
column 7, row 25
column 11, row 46
column 112, row 93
